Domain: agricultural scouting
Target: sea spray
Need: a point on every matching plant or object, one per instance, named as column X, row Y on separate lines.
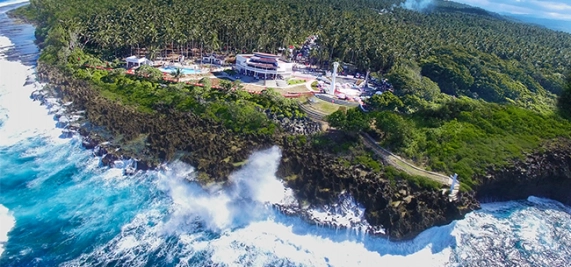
column 232, row 225
column 7, row 222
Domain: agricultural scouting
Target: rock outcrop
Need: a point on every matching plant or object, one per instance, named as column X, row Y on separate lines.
column 122, row 135
column 544, row 173
column 400, row 207
column 303, row 126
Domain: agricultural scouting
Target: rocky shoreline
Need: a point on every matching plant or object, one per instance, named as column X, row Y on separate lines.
column 132, row 140
column 395, row 209
column 544, row 173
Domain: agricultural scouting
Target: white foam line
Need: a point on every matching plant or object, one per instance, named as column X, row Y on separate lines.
column 13, row 2
column 7, row 222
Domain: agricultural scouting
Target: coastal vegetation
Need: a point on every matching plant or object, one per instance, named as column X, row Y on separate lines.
column 472, row 90
column 460, row 135
column 238, row 110
column 450, row 48
column 564, row 101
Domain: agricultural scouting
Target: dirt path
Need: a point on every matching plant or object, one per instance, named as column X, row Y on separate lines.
column 386, row 155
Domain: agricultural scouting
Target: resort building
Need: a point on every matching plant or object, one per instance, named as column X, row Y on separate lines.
column 214, row 59
column 134, row 61
column 263, row 65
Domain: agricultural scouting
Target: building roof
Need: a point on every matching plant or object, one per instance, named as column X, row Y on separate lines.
column 261, row 65
column 266, row 55
column 134, row 59
column 264, row 59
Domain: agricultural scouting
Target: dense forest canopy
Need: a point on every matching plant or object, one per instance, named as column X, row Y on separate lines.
column 464, row 50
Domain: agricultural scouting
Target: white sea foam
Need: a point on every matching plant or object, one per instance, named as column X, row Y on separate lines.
column 7, row 222
column 515, row 233
column 187, row 225
column 250, row 232
column 5, row 45
column 20, row 117
column 13, row 2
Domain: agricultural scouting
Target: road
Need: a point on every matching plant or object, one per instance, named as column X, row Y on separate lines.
column 389, row 157
column 403, row 165
column 330, row 99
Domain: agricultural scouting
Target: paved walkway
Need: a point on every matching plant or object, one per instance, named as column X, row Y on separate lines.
column 394, row 160
column 403, row 165
column 330, row 99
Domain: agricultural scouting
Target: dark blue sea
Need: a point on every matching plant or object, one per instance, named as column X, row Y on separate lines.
column 58, row 207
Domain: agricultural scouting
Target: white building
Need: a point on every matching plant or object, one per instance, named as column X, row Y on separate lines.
column 134, row 61
column 263, row 65
column 214, row 59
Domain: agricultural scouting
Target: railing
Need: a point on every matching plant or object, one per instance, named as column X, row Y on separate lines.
column 441, row 178
column 311, row 113
column 387, row 156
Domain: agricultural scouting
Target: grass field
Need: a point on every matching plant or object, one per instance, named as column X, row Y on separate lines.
column 320, row 105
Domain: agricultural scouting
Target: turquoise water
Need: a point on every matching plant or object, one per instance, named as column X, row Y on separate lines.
column 170, row 69
column 58, row 207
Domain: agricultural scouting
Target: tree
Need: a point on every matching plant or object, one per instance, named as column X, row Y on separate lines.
column 177, row 73
column 206, row 83
column 237, row 85
column 385, row 101
column 351, row 120
column 564, row 101
column 396, row 129
column 146, row 71
column 337, row 119
column 225, row 85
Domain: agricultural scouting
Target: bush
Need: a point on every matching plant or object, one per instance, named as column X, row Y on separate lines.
column 295, row 81
column 314, row 85
column 465, row 136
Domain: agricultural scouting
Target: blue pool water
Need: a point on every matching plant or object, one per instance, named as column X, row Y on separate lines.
column 185, row 71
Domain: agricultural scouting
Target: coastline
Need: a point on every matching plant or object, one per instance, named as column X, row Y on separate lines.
column 296, row 160
column 316, row 177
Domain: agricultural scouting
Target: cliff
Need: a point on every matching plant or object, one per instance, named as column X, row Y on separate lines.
column 403, row 208
column 544, row 173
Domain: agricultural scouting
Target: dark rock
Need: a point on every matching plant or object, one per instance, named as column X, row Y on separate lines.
column 545, row 173
column 108, row 159
column 212, row 150
column 88, row 143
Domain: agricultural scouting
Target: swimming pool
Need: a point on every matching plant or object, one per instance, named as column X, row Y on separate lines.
column 170, row 69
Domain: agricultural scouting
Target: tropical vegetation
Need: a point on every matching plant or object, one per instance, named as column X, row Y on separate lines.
column 472, row 89
column 451, row 48
column 459, row 135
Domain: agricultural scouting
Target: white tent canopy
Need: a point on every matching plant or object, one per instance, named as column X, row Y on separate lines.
column 133, row 61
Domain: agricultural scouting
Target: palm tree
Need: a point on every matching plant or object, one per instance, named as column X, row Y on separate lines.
column 225, row 85
column 177, row 73
column 237, row 85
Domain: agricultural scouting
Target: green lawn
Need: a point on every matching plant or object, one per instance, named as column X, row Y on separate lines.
column 295, row 81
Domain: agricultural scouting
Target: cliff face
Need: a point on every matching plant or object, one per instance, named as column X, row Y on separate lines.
column 158, row 136
column 315, row 175
column 545, row 173
column 402, row 208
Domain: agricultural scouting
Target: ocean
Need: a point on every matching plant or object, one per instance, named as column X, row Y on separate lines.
column 59, row 207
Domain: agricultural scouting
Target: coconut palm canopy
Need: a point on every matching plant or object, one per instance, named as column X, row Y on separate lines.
column 455, row 48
